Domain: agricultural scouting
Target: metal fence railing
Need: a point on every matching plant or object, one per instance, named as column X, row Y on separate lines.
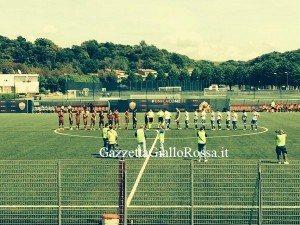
column 57, row 192
column 169, row 191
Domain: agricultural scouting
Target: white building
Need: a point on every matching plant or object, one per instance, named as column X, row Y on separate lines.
column 19, row 83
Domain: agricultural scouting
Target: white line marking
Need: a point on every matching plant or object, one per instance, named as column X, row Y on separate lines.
column 137, row 181
column 74, row 135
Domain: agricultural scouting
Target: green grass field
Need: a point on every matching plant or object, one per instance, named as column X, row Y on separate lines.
column 34, row 137
column 222, row 191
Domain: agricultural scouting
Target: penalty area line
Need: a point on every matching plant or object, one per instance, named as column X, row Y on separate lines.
column 224, row 136
column 74, row 135
column 137, row 181
column 85, row 136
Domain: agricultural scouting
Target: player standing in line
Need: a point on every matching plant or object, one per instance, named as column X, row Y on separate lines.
column 126, row 115
column 61, row 119
column 146, row 120
column 177, row 119
column 151, row 118
column 187, row 118
column 228, row 118
column 219, row 120
column 117, row 119
column 110, row 117
column 77, row 120
column 85, row 119
column 93, row 121
column 134, row 119
column 254, row 120
column 203, row 118
column 234, row 120
column 244, row 118
column 168, row 116
column 101, row 119
column 71, row 119
column 196, row 116
column 212, row 120
column 160, row 115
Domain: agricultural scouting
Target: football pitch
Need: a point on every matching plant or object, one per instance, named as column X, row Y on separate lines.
column 35, row 137
column 45, row 171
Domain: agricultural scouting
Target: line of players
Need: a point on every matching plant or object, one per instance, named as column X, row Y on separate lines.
column 113, row 118
column 164, row 117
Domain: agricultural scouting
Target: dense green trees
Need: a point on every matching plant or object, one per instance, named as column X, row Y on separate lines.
column 96, row 62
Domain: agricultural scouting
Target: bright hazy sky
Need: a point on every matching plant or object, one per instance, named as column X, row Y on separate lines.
column 216, row 30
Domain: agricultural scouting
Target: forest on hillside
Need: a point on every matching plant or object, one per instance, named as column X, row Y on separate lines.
column 97, row 62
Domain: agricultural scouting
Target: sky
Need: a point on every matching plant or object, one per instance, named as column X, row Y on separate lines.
column 215, row 30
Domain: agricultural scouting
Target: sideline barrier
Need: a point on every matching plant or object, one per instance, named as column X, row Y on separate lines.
column 170, row 191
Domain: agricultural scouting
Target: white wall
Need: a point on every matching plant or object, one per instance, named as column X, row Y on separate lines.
column 22, row 83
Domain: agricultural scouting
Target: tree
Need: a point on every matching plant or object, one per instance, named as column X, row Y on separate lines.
column 241, row 75
column 228, row 71
column 91, row 48
column 195, row 74
column 206, row 70
column 52, row 84
column 132, row 78
column 90, row 66
column 45, row 52
column 177, row 60
column 79, row 53
column 150, row 77
column 161, row 76
column 184, row 75
column 120, row 63
column 173, row 74
column 22, row 52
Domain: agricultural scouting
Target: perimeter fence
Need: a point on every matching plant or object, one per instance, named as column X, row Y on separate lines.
column 170, row 191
